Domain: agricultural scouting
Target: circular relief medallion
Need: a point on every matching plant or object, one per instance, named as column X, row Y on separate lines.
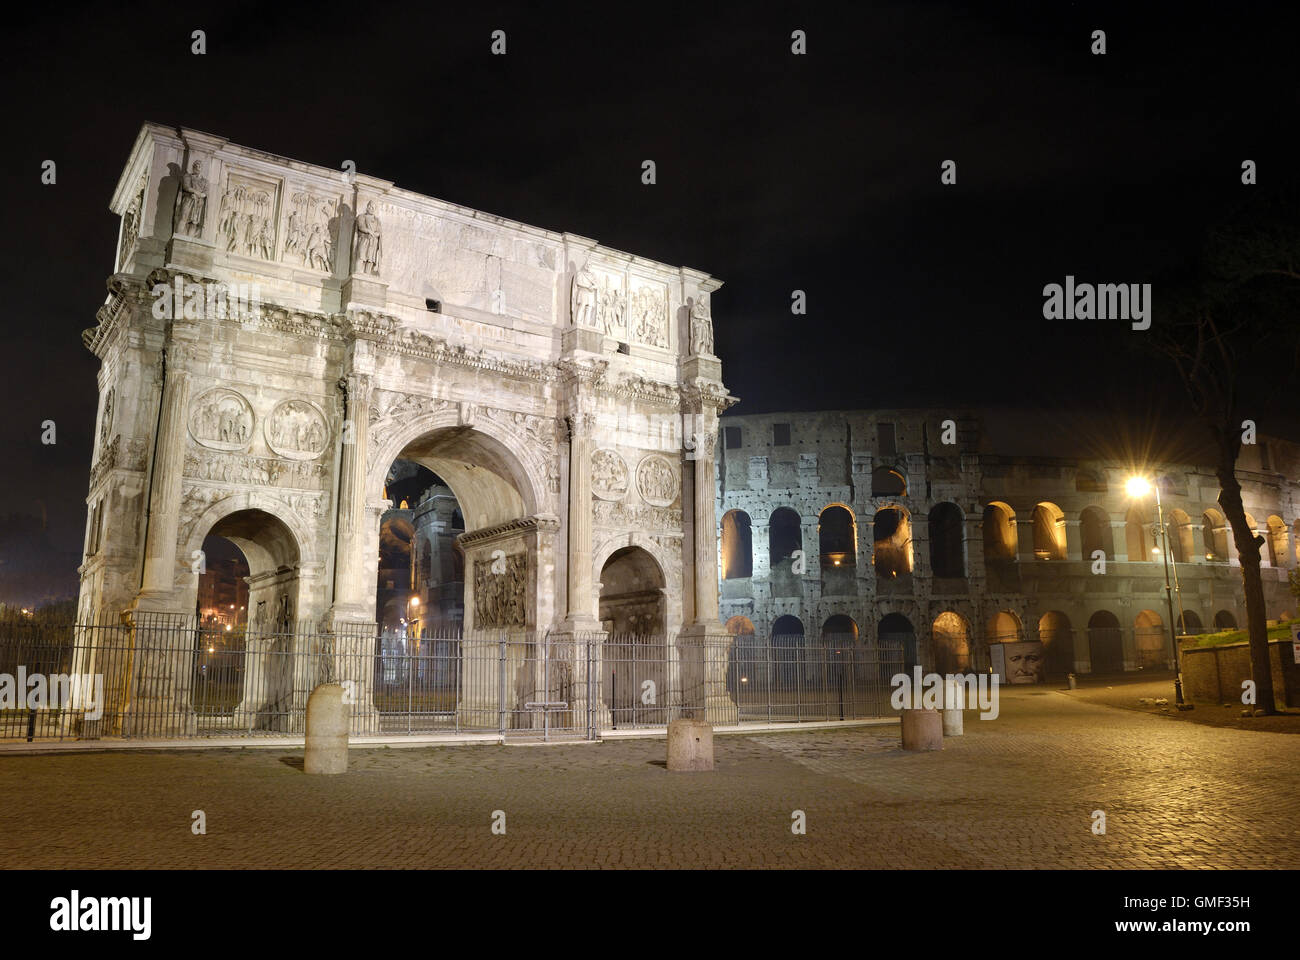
column 221, row 419
column 656, row 481
column 608, row 475
column 297, row 430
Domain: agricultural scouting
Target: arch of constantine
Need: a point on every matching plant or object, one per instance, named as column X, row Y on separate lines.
column 278, row 335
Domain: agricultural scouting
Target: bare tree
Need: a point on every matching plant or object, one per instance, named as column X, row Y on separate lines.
column 1239, row 302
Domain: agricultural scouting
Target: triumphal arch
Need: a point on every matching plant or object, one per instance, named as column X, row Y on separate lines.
column 277, row 334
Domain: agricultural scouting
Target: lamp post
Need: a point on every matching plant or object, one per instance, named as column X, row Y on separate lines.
column 1139, row 487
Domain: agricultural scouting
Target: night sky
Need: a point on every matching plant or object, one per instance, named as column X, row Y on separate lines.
column 775, row 172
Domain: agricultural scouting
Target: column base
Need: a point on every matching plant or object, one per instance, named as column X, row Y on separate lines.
column 705, row 649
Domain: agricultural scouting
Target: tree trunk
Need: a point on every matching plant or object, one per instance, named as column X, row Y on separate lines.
column 1248, row 544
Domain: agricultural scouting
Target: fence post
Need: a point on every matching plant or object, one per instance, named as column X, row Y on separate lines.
column 501, row 683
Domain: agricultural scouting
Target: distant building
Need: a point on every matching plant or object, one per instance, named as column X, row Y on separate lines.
column 946, row 548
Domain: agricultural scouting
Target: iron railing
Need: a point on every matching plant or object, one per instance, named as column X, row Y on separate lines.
column 161, row 676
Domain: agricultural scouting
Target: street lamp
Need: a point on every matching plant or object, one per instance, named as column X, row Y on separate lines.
column 1139, row 487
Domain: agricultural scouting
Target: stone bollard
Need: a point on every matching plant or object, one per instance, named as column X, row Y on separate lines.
column 953, row 722
column 1073, row 682
column 327, row 731
column 922, row 730
column 690, row 745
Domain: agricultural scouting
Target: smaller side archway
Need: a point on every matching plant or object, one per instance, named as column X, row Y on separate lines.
column 1095, row 533
column 947, row 544
column 1105, row 643
column 1049, row 532
column 1057, row 636
column 1214, row 535
column 1000, row 540
column 1150, row 639
column 950, row 635
column 1277, row 541
column 892, row 550
column 737, row 546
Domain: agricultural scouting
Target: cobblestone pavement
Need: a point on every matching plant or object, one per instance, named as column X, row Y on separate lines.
column 1014, row 792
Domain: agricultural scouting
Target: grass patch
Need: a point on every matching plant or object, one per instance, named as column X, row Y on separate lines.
column 1281, row 632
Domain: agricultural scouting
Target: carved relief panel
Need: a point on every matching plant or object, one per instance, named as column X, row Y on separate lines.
column 249, row 208
column 648, row 312
column 500, row 595
column 297, row 430
column 656, row 481
column 221, row 419
column 311, row 234
column 608, row 475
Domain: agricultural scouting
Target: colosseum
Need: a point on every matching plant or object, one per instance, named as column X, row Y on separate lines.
column 936, row 533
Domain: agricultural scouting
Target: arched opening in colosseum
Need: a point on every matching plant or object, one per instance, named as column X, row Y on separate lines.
column 1189, row 622
column 784, row 539
column 950, row 637
column 1225, row 620
column 837, row 537
column 896, row 639
column 786, row 653
column 1004, row 627
column 737, row 546
column 1049, row 532
column 1182, row 539
column 892, row 551
column 1295, row 540
column 1057, row 636
column 1214, row 535
column 747, row 663
column 1105, row 643
column 1095, row 533
column 840, row 629
column 947, row 544
column 248, row 612
column 1277, row 547
column 1149, row 639
column 1000, row 542
column 888, row 482
column 1135, row 534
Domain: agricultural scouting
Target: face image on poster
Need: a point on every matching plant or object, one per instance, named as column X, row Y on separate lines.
column 1025, row 662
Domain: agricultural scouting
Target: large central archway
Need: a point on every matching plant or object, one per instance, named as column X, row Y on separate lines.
column 495, row 540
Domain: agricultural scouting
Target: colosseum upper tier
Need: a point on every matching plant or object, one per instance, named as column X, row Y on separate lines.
column 925, row 530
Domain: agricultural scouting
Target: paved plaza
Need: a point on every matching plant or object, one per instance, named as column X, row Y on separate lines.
column 1016, row 792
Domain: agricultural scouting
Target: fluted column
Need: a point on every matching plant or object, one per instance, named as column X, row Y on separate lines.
column 581, row 594
column 349, row 573
column 165, row 491
column 705, row 530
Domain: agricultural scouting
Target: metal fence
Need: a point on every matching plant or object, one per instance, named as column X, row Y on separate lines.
column 166, row 676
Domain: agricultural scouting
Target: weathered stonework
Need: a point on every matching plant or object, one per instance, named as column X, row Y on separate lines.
column 543, row 377
column 994, row 545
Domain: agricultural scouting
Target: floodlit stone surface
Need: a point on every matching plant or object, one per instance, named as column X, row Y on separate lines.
column 326, row 749
column 922, row 730
column 318, row 326
column 870, row 526
column 690, row 745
